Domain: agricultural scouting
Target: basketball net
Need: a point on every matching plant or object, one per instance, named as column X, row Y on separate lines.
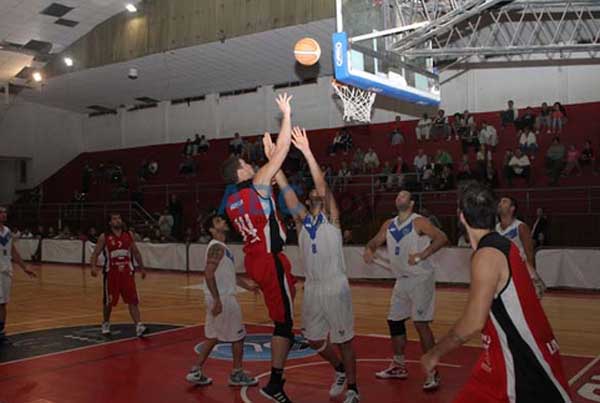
column 357, row 102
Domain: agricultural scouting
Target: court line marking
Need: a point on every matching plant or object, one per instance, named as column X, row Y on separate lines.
column 244, row 390
column 89, row 347
column 584, row 370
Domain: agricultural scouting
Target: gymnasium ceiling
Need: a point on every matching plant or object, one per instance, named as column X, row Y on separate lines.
column 239, row 63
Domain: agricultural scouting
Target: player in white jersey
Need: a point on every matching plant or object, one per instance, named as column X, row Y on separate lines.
column 8, row 252
column 223, row 314
column 519, row 233
column 327, row 316
column 411, row 240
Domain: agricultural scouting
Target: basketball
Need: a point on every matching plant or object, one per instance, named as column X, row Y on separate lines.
column 307, row 51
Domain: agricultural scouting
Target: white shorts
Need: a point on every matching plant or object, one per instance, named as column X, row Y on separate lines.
column 5, row 285
column 413, row 297
column 226, row 327
column 327, row 310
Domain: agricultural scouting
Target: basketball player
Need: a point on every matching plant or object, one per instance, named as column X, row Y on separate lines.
column 118, row 246
column 411, row 240
column 8, row 252
column 327, row 315
column 520, row 361
column 251, row 209
column 223, row 314
column 517, row 231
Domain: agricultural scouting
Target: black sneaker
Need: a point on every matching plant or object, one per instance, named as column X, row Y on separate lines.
column 275, row 393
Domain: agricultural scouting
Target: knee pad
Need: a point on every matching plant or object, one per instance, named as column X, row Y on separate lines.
column 397, row 327
column 284, row 330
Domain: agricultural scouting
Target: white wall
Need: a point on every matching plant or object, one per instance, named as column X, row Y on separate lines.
column 8, row 179
column 315, row 106
column 50, row 137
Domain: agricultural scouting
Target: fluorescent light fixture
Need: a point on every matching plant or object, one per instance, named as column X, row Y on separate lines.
column 68, row 61
column 37, row 76
column 131, row 8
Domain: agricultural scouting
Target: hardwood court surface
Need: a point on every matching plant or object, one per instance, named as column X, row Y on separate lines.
column 67, row 295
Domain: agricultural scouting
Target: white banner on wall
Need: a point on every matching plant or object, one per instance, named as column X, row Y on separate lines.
column 163, row 256
column 27, row 247
column 577, row 268
column 62, row 251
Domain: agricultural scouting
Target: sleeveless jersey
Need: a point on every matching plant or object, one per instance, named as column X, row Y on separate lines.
column 320, row 244
column 402, row 241
column 255, row 218
column 521, row 361
column 6, row 242
column 117, row 252
column 512, row 232
column 225, row 273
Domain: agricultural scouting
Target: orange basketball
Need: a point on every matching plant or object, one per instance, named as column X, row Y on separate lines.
column 307, row 51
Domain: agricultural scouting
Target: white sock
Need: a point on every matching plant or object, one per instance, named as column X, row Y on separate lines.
column 399, row 359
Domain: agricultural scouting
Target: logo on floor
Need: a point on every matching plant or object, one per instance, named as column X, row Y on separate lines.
column 257, row 347
column 33, row 344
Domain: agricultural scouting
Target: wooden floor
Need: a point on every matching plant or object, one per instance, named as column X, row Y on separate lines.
column 68, row 295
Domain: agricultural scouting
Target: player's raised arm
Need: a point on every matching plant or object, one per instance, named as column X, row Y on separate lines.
column 213, row 258
column 377, row 241
column 264, row 176
column 438, row 239
column 300, row 141
column 94, row 258
column 486, row 272
column 138, row 257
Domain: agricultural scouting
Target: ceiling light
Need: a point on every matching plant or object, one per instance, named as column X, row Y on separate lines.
column 68, row 61
column 131, row 8
column 37, row 76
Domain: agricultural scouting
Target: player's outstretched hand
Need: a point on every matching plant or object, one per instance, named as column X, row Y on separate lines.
column 283, row 102
column 268, row 145
column 300, row 139
column 429, row 362
column 29, row 272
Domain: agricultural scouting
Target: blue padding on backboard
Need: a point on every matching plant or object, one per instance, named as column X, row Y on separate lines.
column 343, row 73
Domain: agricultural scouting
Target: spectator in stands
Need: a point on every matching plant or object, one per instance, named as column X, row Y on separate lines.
column 428, row 178
column 440, row 127
column 491, row 176
column 40, row 232
column 385, row 176
column 204, row 144
column 347, row 237
column 555, row 160
column 446, row 179
column 423, row 128
column 420, row 162
column 92, row 235
column 573, row 156
column 196, row 144
column 158, row 237
column 26, row 234
column 509, row 115
column 16, row 233
column 247, row 151
column 346, row 141
column 371, row 160
column 188, row 237
column 481, row 161
column 528, row 143
column 488, row 136
column 336, row 144
column 558, row 116
column 136, row 236
column 396, row 138
column 519, row 167
column 176, row 210
column 188, row 166
column 443, row 159
column 64, row 234
column 236, row 145
column 538, row 229
column 188, row 148
column 464, row 169
column 204, row 236
column 544, row 120
column 587, row 156
column 397, row 177
column 344, row 175
column 358, row 162
column 165, row 223
column 527, row 120
column 469, row 123
column 468, row 135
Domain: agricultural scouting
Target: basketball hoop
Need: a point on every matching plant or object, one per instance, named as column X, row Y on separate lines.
column 357, row 102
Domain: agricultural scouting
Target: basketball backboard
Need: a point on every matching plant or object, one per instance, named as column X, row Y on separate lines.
column 363, row 56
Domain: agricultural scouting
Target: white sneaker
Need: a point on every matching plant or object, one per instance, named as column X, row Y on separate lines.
column 196, row 377
column 433, row 381
column 394, row 371
column 338, row 385
column 352, row 397
column 140, row 330
column 105, row 328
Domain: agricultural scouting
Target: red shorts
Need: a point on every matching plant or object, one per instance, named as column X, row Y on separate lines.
column 273, row 273
column 475, row 392
column 120, row 283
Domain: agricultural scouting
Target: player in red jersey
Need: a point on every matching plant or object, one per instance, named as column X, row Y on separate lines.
column 251, row 208
column 118, row 246
column 521, row 362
